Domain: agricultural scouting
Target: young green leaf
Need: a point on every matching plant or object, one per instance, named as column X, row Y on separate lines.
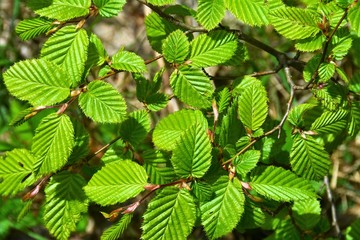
column 103, row 103
column 38, row 81
column 160, row 2
column 33, row 27
column 220, row 215
column 65, row 202
column 81, row 143
column 97, row 54
column 210, row 13
column 223, row 99
column 135, row 128
column 332, row 96
column 354, row 18
column 158, row 167
column 308, row 158
column 156, row 102
column 171, row 214
column 176, row 47
column 230, row 132
column 16, row 171
column 287, row 230
column 331, row 122
column 213, row 48
column 109, row 8
column 128, row 61
column 114, row 232
column 306, row 213
column 192, row 154
column 116, row 183
column 252, row 12
column 63, row 10
column 192, row 86
column 296, row 114
column 202, row 191
column 52, row 143
column 280, row 185
column 68, row 48
column 169, row 130
column 326, row 71
column 310, row 44
column 246, row 162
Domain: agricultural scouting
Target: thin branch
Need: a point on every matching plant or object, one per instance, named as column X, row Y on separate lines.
column 333, row 209
column 105, row 147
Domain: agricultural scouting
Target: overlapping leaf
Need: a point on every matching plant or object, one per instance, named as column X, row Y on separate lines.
column 326, row 71
column 210, row 13
column 306, row 213
column 38, row 81
column 169, row 130
column 296, row 114
column 128, row 61
column 280, row 184
column 68, row 48
column 160, row 2
column 246, row 162
column 158, row 167
column 116, row 183
column 253, row 12
column 176, row 47
column 16, row 170
column 308, row 158
column 192, row 86
column 33, row 27
column 52, row 143
column 109, row 8
column 354, row 121
column 192, row 154
column 220, row 215
column 253, row 217
column 114, row 232
column 103, row 103
column 65, row 202
column 96, row 54
column 331, row 122
column 310, row 44
column 135, row 128
column 170, row 215
column 212, row 49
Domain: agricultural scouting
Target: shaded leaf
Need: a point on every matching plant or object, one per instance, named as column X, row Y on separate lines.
column 135, row 128
column 114, row 232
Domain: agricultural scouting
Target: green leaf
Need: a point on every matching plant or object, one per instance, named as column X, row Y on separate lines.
column 210, row 13
column 160, row 2
column 158, row 167
column 109, row 8
column 81, row 143
column 128, row 61
column 192, row 86
column 52, row 143
column 38, row 81
column 176, row 47
column 202, row 191
column 355, row 83
column 171, row 214
column 341, row 43
column 220, row 215
column 68, row 48
column 192, row 154
column 33, row 27
column 326, row 71
column 114, row 232
column 23, row 116
column 253, row 106
column 280, row 185
column 332, row 96
column 311, row 67
column 294, row 23
column 63, row 10
column 65, row 202
column 353, row 231
column 354, row 121
column 135, row 128
column 354, row 19
column 16, row 171
column 212, row 49
column 331, row 122
column 103, row 103
column 116, row 183
column 252, row 12
column 223, row 99
column 296, row 114
column 310, row 44
column 308, row 158
column 169, row 130
column 306, row 213
column 253, row 216
column 157, row 29
column 287, row 230
column 230, row 132
column 156, row 102
column 96, row 54
column 246, row 162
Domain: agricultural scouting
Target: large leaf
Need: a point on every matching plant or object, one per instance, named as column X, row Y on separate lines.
column 33, row 27
column 280, row 185
column 294, row 23
column 63, row 10
column 192, row 154
column 65, row 201
column 128, row 61
column 38, row 81
column 169, row 130
column 210, row 13
column 109, row 8
column 220, row 215
column 176, row 47
column 103, row 103
column 135, row 128
column 158, row 166
column 331, row 122
column 192, row 86
column 52, row 143
column 116, row 183
column 253, row 12
column 16, row 170
column 68, row 48
column 308, row 158
column 114, row 232
column 213, row 48
column 253, row 106
column 170, row 215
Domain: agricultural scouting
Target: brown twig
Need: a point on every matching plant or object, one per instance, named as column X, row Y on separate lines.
column 333, row 209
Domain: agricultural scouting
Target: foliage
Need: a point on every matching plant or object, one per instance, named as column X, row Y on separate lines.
column 214, row 164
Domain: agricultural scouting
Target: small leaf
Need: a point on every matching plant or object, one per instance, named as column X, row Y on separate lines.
column 33, row 27
column 223, row 99
column 306, row 213
column 136, row 127
column 116, row 183
column 114, row 232
column 220, row 215
column 128, row 61
column 156, row 102
column 176, row 47
column 103, row 103
column 326, row 71
column 246, row 162
column 210, row 13
column 38, row 81
column 296, row 114
column 109, row 8
column 171, row 214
